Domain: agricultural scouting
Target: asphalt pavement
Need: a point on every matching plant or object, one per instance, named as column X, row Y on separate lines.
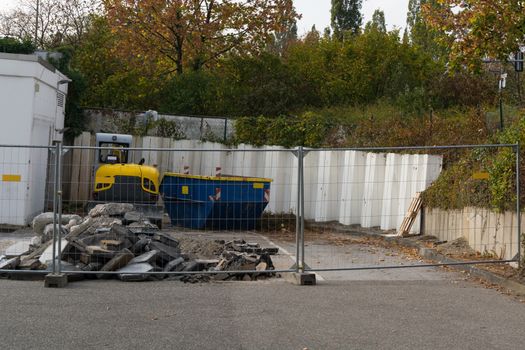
column 420, row 308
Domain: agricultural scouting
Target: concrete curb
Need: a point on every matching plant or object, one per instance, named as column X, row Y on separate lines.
column 431, row 254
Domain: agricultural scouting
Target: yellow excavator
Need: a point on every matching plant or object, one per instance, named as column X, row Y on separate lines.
column 118, row 180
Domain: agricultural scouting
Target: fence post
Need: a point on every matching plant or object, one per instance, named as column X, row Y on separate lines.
column 58, row 196
column 299, row 217
column 56, row 152
column 518, row 204
column 301, row 189
column 56, row 279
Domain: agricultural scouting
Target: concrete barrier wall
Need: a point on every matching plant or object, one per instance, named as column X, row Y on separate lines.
column 350, row 187
column 486, row 231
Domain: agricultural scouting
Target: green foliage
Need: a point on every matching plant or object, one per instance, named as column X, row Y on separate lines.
column 110, row 81
column 12, row 45
column 378, row 22
column 346, row 16
column 309, row 129
column 193, row 92
column 456, row 188
column 169, row 128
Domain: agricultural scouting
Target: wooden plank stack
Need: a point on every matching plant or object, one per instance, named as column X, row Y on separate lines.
column 410, row 217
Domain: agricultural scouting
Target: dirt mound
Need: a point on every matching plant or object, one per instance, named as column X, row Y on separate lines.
column 200, row 248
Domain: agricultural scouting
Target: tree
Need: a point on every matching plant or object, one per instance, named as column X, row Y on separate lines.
column 346, row 17
column 196, row 33
column 378, row 22
column 112, row 80
column 59, row 22
column 282, row 39
column 419, row 33
column 12, row 45
column 478, row 28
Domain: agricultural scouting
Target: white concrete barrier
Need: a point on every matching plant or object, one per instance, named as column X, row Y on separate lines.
column 352, row 187
column 486, row 231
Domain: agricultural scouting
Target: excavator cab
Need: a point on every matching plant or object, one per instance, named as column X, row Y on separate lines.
column 117, row 179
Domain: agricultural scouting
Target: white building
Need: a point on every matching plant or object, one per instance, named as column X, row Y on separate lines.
column 32, row 102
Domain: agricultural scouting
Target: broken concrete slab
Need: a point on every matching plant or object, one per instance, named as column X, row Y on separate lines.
column 148, row 257
column 166, row 239
column 140, row 246
column 192, row 266
column 166, row 252
column 120, row 260
column 135, row 272
column 9, row 264
column 111, row 244
column 29, row 264
column 47, row 255
column 90, row 225
column 19, row 248
column 174, row 265
column 111, row 209
column 133, row 216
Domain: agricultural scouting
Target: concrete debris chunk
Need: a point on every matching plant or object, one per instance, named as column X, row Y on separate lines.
column 41, row 221
column 19, row 248
column 140, row 246
column 47, row 255
column 9, row 264
column 29, row 264
column 174, row 265
column 166, row 238
column 116, row 238
column 110, row 209
column 166, row 252
column 111, row 244
column 120, row 260
column 148, row 257
column 133, row 216
column 135, row 272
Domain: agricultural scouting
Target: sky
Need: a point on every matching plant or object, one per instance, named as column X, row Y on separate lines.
column 318, row 12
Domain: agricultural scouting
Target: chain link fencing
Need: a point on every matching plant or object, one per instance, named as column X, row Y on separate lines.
column 198, row 210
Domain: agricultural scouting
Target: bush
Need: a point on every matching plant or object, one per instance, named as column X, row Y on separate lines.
column 12, row 45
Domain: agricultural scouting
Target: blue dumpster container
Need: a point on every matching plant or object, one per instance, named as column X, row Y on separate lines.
column 215, row 202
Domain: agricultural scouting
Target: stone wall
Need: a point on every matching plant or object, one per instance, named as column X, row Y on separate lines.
column 129, row 122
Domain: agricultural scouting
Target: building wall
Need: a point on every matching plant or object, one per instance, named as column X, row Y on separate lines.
column 29, row 116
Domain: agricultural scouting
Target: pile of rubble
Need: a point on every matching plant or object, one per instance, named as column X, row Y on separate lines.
column 114, row 240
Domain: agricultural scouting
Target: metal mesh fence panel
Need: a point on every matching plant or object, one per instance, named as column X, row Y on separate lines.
column 26, row 190
column 370, row 208
column 198, row 209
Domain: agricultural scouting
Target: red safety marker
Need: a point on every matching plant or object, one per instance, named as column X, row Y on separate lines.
column 267, row 195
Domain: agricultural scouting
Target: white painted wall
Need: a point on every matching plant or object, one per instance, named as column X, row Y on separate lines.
column 351, row 187
column 29, row 115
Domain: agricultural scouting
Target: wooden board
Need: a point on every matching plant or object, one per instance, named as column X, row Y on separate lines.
column 410, row 217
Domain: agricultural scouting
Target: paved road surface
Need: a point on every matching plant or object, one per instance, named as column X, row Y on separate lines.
column 386, row 309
